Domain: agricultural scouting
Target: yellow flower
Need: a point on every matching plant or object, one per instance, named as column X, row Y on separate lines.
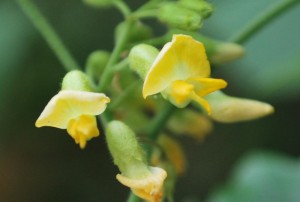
column 75, row 111
column 148, row 187
column 180, row 72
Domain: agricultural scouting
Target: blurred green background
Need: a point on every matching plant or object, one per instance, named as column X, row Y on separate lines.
column 45, row 164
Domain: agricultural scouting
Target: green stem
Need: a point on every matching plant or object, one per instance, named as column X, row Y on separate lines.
column 49, row 34
column 125, row 10
column 145, row 13
column 258, row 23
column 123, row 96
column 157, row 124
column 108, row 71
column 133, row 198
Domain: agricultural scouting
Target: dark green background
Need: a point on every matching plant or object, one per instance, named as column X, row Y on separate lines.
column 45, row 164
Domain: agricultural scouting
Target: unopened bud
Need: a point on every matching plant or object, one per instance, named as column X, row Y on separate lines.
column 202, row 7
column 76, row 80
column 179, row 17
column 229, row 109
column 96, row 62
column 141, row 58
column 146, row 182
column 226, row 52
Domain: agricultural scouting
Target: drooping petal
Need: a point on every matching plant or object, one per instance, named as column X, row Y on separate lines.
column 204, row 86
column 180, row 59
column 83, row 129
column 202, row 102
column 149, row 187
column 70, row 104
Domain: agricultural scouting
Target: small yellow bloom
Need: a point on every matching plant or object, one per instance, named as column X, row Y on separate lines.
column 180, row 72
column 75, row 111
column 148, row 187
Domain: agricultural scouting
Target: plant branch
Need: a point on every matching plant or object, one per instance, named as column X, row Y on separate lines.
column 266, row 17
column 51, row 37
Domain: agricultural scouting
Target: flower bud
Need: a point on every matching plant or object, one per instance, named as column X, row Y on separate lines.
column 202, row 7
column 146, row 182
column 229, row 109
column 96, row 62
column 76, row 80
column 138, row 31
column 141, row 58
column 179, row 17
column 99, row 3
column 226, row 52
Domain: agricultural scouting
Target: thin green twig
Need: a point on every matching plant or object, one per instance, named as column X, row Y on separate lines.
column 51, row 37
column 258, row 23
column 122, row 6
column 120, row 44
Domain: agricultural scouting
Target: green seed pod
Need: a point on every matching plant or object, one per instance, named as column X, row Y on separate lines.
column 202, row 7
column 76, row 80
column 179, row 17
column 141, row 58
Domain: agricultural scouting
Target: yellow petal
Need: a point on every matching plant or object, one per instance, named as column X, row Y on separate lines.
column 70, row 104
column 204, row 86
column 180, row 59
column 148, row 188
column 83, row 129
column 179, row 93
column 202, row 102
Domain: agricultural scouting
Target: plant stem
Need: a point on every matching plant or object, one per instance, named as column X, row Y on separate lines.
column 51, row 37
column 125, row 10
column 123, row 95
column 258, row 23
column 145, row 13
column 120, row 44
column 133, row 198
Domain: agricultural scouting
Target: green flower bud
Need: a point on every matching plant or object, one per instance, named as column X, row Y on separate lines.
column 76, row 80
column 125, row 150
column 141, row 58
column 99, row 3
column 144, row 181
column 96, row 62
column 179, row 17
column 229, row 109
column 202, row 7
column 138, row 31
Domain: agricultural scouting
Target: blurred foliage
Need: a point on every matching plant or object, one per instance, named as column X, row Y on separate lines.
column 262, row 177
column 45, row 164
